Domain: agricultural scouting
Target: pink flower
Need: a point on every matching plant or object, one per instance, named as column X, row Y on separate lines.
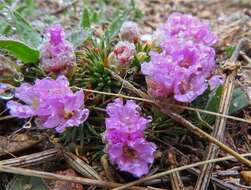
column 124, row 138
column 160, row 72
column 189, row 87
column 57, row 54
column 132, row 156
column 187, row 59
column 129, row 31
column 52, row 102
column 125, row 117
column 190, row 28
column 66, row 112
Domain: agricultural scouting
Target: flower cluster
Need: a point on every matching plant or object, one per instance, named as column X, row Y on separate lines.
column 52, row 102
column 124, row 136
column 57, row 54
column 186, row 62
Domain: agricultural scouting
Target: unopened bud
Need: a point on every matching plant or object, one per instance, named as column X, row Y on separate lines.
column 129, row 31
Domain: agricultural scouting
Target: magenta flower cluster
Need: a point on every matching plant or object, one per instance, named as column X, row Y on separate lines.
column 52, row 102
column 57, row 54
column 187, row 60
column 124, row 138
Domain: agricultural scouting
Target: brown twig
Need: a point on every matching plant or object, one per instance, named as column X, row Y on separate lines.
column 52, row 176
column 128, row 85
column 107, row 169
column 80, row 166
column 175, row 178
column 219, row 183
column 219, row 129
column 32, row 159
column 169, row 104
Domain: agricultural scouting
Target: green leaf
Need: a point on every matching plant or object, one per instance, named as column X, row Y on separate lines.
column 115, row 26
column 213, row 104
column 20, row 50
column 95, row 16
column 25, row 31
column 86, row 20
column 78, row 37
column 239, row 101
column 229, row 51
column 26, row 182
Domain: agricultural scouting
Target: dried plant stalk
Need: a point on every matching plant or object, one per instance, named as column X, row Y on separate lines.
column 219, row 129
column 175, row 178
column 52, row 176
column 80, row 166
column 32, row 159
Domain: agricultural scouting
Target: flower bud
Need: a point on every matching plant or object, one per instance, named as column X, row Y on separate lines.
column 122, row 55
column 141, row 56
column 129, row 31
column 57, row 54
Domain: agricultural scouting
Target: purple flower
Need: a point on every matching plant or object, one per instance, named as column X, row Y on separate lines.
column 190, row 28
column 186, row 61
column 125, row 117
column 191, row 56
column 215, row 81
column 52, row 102
column 124, row 137
column 20, row 110
column 66, row 112
column 189, row 87
column 160, row 72
column 132, row 156
column 129, row 31
column 26, row 94
column 57, row 54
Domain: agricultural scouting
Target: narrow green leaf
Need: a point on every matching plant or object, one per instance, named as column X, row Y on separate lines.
column 213, row 104
column 115, row 26
column 78, row 37
column 239, row 101
column 25, row 31
column 20, row 50
column 95, row 17
column 86, row 20
column 229, row 51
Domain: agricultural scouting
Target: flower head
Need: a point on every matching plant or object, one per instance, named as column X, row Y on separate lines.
column 129, row 31
column 57, row 54
column 124, row 138
column 122, row 55
column 186, row 61
column 52, row 102
column 132, row 156
column 188, row 27
column 125, row 117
